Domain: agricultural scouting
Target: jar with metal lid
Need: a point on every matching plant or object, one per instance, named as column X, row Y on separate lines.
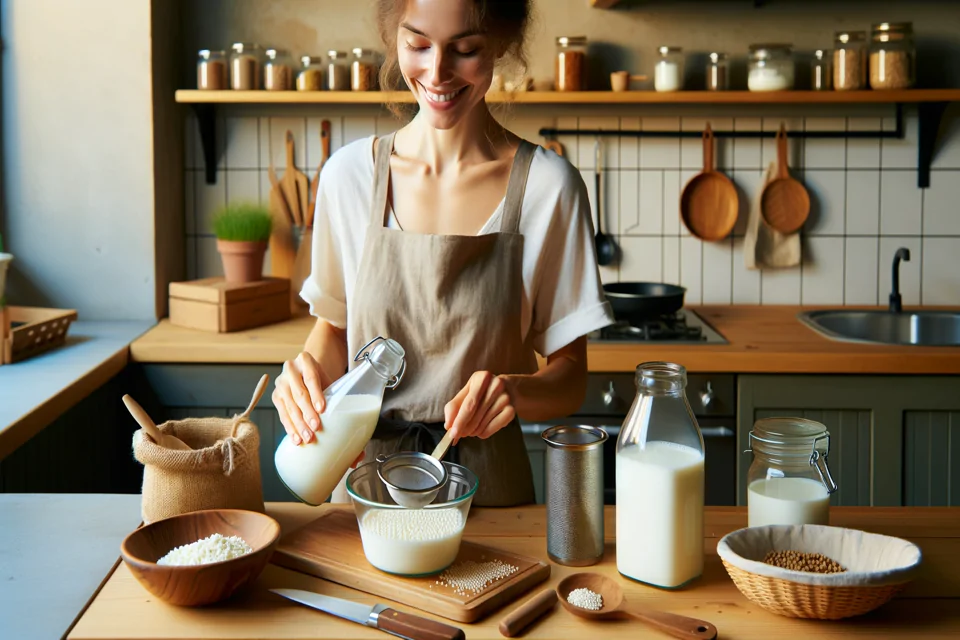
column 718, row 72
column 660, row 482
column 310, row 76
column 211, row 70
column 571, row 64
column 245, row 61
column 850, row 60
column 278, row 71
column 892, row 56
column 363, row 70
column 770, row 67
column 668, row 71
column 789, row 480
column 338, row 71
column 821, row 78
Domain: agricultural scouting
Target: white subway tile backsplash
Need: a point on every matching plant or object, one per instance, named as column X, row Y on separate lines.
column 209, row 264
column 628, row 200
column 863, row 153
column 190, row 138
column 746, row 151
column 941, row 276
column 948, row 151
column 630, row 147
column 685, row 177
column 691, row 149
column 650, row 212
column 748, row 183
column 746, row 282
column 609, row 145
column 276, row 142
column 642, row 260
column 828, row 195
column 900, row 153
column 860, row 271
column 660, row 153
column 570, row 144
column 780, row 286
column 718, row 272
column 909, row 271
column 941, row 205
column 768, row 149
column 900, row 204
column 358, row 127
column 823, row 260
column 242, row 185
column 691, row 269
column 671, row 259
column 825, row 153
column 610, row 203
column 390, row 123
column 671, row 202
column 610, row 274
column 189, row 201
column 209, row 199
column 863, row 202
column 191, row 256
column 243, row 143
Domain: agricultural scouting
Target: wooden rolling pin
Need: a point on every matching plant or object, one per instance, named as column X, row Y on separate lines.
column 521, row 617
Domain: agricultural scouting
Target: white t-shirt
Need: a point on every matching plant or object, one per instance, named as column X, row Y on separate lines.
column 562, row 295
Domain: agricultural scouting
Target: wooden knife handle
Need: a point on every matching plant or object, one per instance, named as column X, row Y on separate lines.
column 520, row 618
column 415, row 627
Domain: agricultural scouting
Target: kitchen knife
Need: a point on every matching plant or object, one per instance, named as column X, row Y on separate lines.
column 396, row 623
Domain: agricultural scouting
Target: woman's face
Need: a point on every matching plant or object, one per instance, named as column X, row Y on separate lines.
column 446, row 61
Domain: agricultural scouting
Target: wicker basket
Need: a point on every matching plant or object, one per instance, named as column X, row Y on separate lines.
column 878, row 567
column 29, row 331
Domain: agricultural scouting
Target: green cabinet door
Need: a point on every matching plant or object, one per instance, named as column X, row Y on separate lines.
column 931, row 472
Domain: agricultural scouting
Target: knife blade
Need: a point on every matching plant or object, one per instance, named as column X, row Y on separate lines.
column 396, row 623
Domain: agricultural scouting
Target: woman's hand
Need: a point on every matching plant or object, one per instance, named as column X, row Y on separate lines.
column 298, row 397
column 481, row 408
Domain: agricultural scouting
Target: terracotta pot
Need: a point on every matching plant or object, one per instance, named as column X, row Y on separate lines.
column 242, row 261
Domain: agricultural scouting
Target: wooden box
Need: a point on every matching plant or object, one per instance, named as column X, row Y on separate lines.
column 212, row 304
column 29, row 331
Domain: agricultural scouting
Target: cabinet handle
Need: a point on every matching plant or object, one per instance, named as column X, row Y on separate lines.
column 717, row 432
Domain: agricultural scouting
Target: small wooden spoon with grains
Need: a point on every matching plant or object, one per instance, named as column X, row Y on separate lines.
column 613, row 608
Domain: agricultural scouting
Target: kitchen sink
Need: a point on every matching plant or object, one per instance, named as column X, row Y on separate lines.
column 924, row 328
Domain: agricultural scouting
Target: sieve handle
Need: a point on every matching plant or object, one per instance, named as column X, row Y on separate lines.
column 406, row 625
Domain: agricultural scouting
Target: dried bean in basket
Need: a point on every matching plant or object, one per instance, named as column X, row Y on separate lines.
column 800, row 561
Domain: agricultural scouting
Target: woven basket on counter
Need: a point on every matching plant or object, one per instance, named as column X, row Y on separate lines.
column 878, row 567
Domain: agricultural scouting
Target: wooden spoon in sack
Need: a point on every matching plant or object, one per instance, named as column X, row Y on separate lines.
column 144, row 420
column 784, row 203
column 296, row 185
column 709, row 202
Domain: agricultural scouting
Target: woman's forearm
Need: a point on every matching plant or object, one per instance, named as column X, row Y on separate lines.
column 554, row 391
column 328, row 346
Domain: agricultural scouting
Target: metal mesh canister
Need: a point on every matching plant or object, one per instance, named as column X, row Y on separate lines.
column 574, row 494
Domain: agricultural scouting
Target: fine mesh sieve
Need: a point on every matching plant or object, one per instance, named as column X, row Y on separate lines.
column 412, row 478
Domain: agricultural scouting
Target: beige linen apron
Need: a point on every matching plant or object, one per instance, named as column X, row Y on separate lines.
column 453, row 303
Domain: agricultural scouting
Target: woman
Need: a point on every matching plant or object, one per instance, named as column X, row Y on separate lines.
column 405, row 247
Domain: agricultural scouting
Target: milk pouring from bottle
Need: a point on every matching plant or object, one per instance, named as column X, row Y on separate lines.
column 660, row 482
column 312, row 470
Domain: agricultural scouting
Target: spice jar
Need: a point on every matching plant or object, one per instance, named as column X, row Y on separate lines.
column 310, row 77
column 338, row 71
column 892, row 56
column 363, row 70
column 245, row 61
column 277, row 71
column 570, row 68
column 770, row 67
column 789, row 481
column 660, row 482
column 211, row 70
column 718, row 72
column 850, row 60
column 668, row 71
column 821, row 78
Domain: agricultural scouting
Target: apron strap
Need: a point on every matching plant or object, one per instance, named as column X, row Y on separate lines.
column 510, row 222
column 381, row 180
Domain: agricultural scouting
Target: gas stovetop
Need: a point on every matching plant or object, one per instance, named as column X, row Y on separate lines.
column 683, row 327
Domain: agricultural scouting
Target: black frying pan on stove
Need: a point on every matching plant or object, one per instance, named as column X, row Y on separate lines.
column 636, row 301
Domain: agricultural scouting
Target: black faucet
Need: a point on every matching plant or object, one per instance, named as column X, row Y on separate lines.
column 896, row 305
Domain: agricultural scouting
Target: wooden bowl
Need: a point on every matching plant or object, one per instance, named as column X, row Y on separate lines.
column 195, row 585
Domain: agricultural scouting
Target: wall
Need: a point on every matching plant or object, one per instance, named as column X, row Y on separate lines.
column 78, row 156
column 865, row 199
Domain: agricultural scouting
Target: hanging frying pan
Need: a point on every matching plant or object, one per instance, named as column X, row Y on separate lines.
column 635, row 301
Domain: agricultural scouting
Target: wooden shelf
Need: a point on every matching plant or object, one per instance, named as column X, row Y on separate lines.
column 193, row 96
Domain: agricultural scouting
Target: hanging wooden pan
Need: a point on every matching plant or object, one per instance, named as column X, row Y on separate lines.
column 784, row 203
column 709, row 202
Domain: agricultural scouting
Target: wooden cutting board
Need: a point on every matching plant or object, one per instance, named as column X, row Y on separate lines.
column 330, row 548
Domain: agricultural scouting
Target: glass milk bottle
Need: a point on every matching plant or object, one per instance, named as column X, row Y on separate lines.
column 312, row 470
column 789, row 481
column 660, row 482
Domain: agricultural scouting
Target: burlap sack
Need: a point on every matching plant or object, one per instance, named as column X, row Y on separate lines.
column 222, row 472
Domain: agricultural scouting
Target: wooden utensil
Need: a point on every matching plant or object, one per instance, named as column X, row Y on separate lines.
column 784, row 203
column 443, row 445
column 521, row 617
column 613, row 608
column 282, row 205
column 144, row 420
column 325, row 145
column 555, row 146
column 194, row 585
column 709, row 202
column 296, row 185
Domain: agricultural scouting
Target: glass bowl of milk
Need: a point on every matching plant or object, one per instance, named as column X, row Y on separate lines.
column 411, row 542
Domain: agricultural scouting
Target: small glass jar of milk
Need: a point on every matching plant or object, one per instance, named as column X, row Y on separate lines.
column 660, row 482
column 789, row 481
column 313, row 469
column 668, row 72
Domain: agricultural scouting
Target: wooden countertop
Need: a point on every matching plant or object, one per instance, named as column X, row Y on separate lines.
column 762, row 339
column 928, row 608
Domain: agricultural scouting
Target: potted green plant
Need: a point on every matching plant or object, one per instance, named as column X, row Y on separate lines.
column 242, row 232
column 5, row 259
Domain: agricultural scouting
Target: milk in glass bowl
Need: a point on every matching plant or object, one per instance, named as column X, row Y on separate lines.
column 411, row 542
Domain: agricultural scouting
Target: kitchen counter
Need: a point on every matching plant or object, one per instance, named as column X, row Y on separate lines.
column 36, row 391
column 928, row 608
column 762, row 339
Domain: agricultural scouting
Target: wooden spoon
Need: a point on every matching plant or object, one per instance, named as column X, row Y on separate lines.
column 784, row 203
column 296, row 185
column 613, row 608
column 709, row 202
column 144, row 420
